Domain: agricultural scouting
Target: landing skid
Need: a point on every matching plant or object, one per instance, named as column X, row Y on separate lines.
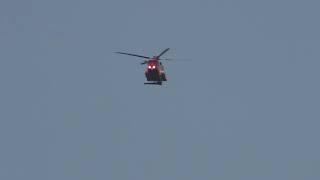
column 154, row 83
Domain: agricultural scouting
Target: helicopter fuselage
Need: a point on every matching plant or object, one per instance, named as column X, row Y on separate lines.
column 155, row 71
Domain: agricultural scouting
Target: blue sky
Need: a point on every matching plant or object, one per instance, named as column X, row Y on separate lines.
column 245, row 107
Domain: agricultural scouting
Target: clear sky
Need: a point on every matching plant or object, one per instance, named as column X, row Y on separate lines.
column 246, row 107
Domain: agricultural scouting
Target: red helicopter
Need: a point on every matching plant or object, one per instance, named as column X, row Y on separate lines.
column 155, row 71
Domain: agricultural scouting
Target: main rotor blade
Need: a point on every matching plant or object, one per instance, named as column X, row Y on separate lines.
column 145, row 57
column 175, row 59
column 163, row 53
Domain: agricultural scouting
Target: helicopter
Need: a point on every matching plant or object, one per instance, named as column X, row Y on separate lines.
column 154, row 72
